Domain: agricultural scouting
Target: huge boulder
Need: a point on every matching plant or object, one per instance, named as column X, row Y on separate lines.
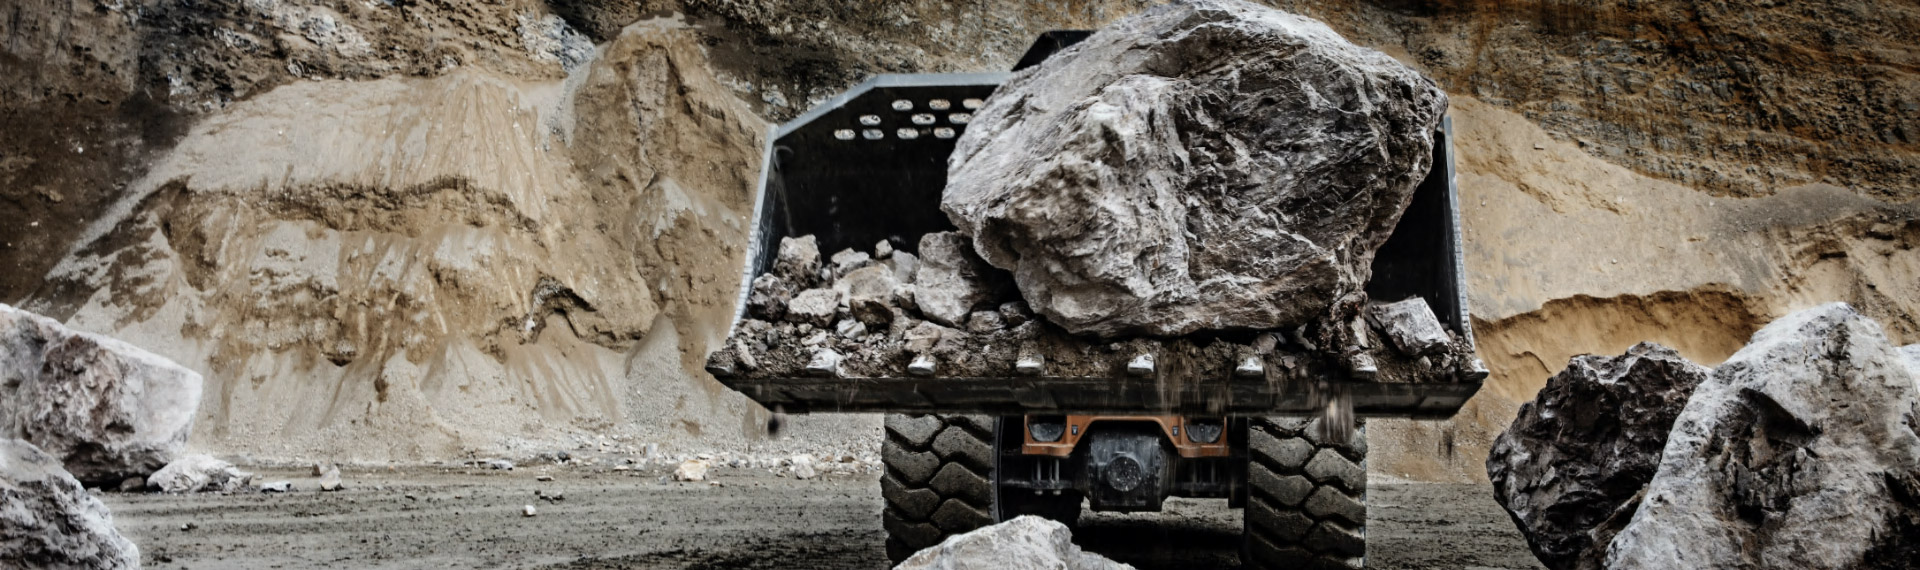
column 47, row 520
column 1570, row 468
column 1202, row 165
column 1799, row 452
column 107, row 409
column 1025, row 543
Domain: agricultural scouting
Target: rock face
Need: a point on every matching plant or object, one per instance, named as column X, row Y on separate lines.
column 1571, row 466
column 47, row 520
column 1025, row 543
column 108, row 410
column 197, row 473
column 1205, row 165
column 1799, row 452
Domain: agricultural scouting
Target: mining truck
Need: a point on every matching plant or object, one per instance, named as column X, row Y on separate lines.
column 963, row 452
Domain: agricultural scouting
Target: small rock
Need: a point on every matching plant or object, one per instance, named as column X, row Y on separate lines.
column 798, row 260
column 499, row 464
column 769, row 297
column 527, row 511
column 543, row 478
column 1015, row 313
column 850, row 329
column 952, row 279
column 133, row 484
column 276, row 487
column 1026, row 542
column 194, row 473
column 691, row 470
column 814, row 307
column 984, row 322
column 848, row 260
column 803, row 467
column 330, row 479
column 1411, row 326
column 883, row 250
column 870, row 294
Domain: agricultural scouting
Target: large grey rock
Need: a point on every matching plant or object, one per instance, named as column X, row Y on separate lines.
column 1571, row 466
column 1203, row 165
column 47, row 520
column 951, row 279
column 1025, row 543
column 107, row 409
column 197, row 473
column 814, row 306
column 1799, row 452
column 798, row 260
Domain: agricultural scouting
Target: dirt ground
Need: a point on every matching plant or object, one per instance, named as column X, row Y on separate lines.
column 445, row 518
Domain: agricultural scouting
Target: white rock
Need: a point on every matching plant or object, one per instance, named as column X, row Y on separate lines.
column 814, row 306
column 692, row 470
column 330, row 478
column 1799, row 452
column 107, row 409
column 803, row 467
column 48, row 520
column 798, row 261
column 1410, row 325
column 952, row 279
column 1198, row 165
column 276, row 487
column 1025, row 543
column 499, row 464
column 195, row 473
column 527, row 511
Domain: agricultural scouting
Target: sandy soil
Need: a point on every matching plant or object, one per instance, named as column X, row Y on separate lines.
column 435, row 517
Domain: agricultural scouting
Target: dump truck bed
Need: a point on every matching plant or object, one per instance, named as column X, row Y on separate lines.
column 870, row 165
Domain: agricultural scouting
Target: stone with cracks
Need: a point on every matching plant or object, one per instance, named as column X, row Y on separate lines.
column 869, row 293
column 107, row 409
column 1570, row 468
column 1199, row 166
column 798, row 260
column 1411, row 326
column 1799, row 452
column 768, row 297
column 814, row 306
column 47, row 520
column 1025, row 543
column 196, row 473
column 952, row 279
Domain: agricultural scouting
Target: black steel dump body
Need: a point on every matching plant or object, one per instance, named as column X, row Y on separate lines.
column 871, row 164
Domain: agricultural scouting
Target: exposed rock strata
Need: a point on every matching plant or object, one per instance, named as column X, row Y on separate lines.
column 107, row 409
column 1200, row 166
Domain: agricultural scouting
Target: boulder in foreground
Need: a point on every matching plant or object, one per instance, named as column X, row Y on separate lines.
column 47, row 520
column 1200, row 166
column 1800, row 452
column 107, row 409
column 1025, row 543
column 1570, row 468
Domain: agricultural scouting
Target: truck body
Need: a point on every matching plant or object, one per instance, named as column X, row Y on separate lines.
column 1200, row 421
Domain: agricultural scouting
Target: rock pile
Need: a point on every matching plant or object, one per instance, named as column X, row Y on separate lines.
column 1800, row 451
column 1025, row 543
column 49, row 521
column 107, row 409
column 1202, row 165
column 946, row 312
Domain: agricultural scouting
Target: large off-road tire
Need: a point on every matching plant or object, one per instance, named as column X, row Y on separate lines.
column 1307, row 500
column 939, row 479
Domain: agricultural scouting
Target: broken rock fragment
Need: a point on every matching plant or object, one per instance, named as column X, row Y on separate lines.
column 197, row 473
column 47, row 520
column 952, row 279
column 798, row 261
column 107, row 409
column 1025, row 543
column 1201, row 165
column 1411, row 326
column 769, row 297
column 814, row 306
column 1570, row 468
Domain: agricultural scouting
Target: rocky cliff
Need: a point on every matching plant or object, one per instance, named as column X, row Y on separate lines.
column 411, row 229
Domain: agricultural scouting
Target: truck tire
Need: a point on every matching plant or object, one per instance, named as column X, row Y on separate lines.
column 1307, row 500
column 938, row 481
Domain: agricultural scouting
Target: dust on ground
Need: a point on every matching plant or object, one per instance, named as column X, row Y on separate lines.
column 461, row 517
